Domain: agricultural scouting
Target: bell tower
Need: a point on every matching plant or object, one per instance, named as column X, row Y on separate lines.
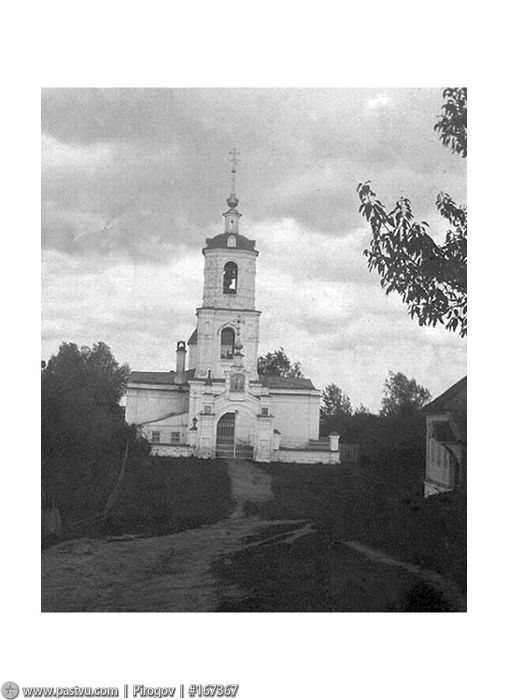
column 229, row 293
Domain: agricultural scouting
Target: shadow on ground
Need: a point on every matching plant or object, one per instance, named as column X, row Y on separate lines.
column 315, row 574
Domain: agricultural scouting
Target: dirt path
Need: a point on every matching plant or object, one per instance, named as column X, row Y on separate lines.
column 242, row 563
column 168, row 573
column 248, row 484
column 450, row 590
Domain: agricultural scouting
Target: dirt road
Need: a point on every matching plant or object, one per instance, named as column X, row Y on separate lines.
column 165, row 573
column 243, row 563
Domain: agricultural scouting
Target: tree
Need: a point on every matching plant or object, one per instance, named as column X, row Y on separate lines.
column 80, row 390
column 431, row 278
column 403, row 396
column 83, row 433
column 278, row 364
column 336, row 412
column 334, row 402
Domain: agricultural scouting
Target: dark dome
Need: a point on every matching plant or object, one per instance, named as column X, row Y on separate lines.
column 221, row 241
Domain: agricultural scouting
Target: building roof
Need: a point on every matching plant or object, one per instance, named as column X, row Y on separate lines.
column 454, row 398
column 193, row 340
column 136, row 377
column 221, row 241
column 275, row 382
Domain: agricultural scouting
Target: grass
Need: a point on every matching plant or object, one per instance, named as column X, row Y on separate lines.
column 171, row 494
column 379, row 507
column 318, row 574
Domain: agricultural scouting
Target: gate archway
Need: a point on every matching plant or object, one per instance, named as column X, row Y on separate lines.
column 234, row 437
column 225, row 440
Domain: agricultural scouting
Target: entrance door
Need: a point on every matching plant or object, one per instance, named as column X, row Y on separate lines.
column 225, row 443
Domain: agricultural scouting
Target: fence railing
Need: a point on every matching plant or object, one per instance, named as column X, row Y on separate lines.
column 349, row 452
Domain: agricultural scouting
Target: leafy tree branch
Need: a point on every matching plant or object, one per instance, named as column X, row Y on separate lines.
column 431, row 278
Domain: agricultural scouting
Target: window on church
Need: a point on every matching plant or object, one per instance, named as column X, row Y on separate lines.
column 207, row 409
column 227, row 344
column 175, row 438
column 156, row 436
column 264, row 411
column 230, row 278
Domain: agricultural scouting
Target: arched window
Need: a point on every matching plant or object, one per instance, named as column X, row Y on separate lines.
column 230, row 278
column 227, row 344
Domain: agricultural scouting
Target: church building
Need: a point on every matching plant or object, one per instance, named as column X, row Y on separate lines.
column 214, row 403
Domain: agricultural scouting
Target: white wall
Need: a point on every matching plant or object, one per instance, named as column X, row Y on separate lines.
column 213, row 295
column 168, row 426
column 210, row 324
column 296, row 417
column 191, row 356
column 306, row 457
column 149, row 403
column 437, row 457
column 171, row 451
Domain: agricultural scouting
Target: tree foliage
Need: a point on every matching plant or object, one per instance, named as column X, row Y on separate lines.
column 277, row 363
column 431, row 278
column 81, row 389
column 83, row 434
column 452, row 122
column 335, row 402
column 402, row 396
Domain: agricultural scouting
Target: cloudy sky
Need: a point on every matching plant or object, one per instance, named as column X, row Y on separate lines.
column 134, row 180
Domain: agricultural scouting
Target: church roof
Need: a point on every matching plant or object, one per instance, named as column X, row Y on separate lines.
column 221, row 241
column 158, row 377
column 193, row 340
column 275, row 382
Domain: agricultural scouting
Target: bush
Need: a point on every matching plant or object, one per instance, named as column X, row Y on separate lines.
column 171, row 494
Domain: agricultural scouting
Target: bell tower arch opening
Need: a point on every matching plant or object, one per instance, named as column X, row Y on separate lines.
column 230, row 278
column 227, row 343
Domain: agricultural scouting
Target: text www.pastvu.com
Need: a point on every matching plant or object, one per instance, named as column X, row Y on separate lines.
column 72, row 692
column 79, row 691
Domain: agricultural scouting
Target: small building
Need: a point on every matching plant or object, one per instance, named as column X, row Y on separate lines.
column 446, row 448
column 214, row 404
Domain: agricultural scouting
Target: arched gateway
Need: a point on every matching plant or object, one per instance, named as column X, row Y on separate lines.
column 234, row 436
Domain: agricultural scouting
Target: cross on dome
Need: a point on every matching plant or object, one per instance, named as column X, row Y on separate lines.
column 232, row 200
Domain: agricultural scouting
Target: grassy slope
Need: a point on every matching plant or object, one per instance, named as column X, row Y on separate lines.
column 318, row 574
column 166, row 495
column 378, row 508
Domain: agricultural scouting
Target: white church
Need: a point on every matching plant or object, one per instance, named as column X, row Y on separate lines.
column 214, row 404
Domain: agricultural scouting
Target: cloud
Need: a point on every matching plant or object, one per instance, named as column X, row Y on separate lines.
column 135, row 180
column 158, row 159
column 317, row 299
column 58, row 156
column 377, row 101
